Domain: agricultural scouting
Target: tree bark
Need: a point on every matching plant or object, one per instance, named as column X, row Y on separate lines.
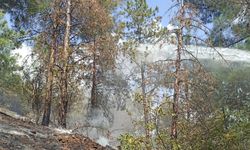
column 49, row 85
column 94, row 89
column 64, row 77
column 145, row 106
column 187, row 100
column 175, row 105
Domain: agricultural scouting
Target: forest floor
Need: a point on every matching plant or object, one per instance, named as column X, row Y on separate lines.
column 18, row 133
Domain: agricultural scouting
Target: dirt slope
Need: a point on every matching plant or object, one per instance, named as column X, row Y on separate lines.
column 20, row 134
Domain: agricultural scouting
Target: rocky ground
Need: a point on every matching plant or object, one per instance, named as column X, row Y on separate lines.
column 19, row 133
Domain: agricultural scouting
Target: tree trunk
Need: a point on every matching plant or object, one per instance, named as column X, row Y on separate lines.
column 94, row 90
column 187, row 100
column 64, row 77
column 49, row 85
column 145, row 106
column 175, row 105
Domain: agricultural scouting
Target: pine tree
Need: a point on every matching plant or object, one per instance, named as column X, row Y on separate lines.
column 9, row 79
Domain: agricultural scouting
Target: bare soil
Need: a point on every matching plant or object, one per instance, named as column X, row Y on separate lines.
column 19, row 134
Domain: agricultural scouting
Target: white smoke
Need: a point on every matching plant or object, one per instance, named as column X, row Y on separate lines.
column 103, row 141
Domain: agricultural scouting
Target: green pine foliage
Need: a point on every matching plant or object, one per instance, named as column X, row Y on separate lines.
column 230, row 19
column 140, row 21
column 9, row 78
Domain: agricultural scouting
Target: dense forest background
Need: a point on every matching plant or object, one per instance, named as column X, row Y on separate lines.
column 95, row 67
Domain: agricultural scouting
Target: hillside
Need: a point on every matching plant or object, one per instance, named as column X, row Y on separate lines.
column 18, row 133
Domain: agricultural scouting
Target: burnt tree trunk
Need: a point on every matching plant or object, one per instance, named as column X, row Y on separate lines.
column 49, row 84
